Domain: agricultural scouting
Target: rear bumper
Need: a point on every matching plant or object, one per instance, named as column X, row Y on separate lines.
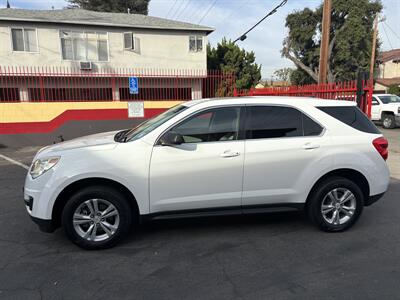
column 44, row 225
column 372, row 199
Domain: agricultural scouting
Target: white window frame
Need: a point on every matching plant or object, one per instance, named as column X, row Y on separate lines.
column 135, row 41
column 23, row 37
column 85, row 32
column 196, row 37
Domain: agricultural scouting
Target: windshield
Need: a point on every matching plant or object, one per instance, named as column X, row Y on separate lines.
column 390, row 99
column 151, row 124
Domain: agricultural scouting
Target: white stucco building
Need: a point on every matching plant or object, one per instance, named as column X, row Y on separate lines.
column 389, row 70
column 93, row 42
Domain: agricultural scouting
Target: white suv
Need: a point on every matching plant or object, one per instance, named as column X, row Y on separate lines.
column 224, row 156
column 386, row 109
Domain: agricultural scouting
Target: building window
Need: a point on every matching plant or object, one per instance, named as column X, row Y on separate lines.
column 195, row 43
column 24, row 39
column 131, row 42
column 84, row 46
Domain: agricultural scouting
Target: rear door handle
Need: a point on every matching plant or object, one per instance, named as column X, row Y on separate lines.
column 229, row 153
column 310, row 146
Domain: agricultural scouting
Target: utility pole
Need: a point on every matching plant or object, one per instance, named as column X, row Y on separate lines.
column 323, row 54
column 374, row 34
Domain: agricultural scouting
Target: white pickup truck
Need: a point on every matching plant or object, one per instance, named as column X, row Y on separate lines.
column 386, row 109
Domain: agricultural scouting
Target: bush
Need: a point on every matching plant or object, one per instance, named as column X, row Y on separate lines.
column 394, row 89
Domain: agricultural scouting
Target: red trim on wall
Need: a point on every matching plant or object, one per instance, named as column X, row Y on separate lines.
column 72, row 115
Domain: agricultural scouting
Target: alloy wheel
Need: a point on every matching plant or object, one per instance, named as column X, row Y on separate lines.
column 96, row 220
column 338, row 206
column 387, row 122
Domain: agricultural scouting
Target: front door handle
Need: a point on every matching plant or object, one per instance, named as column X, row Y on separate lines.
column 310, row 146
column 229, row 153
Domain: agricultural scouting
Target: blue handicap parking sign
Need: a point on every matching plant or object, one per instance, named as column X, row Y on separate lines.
column 133, row 85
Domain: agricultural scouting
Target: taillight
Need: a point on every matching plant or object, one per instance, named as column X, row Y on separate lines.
column 381, row 145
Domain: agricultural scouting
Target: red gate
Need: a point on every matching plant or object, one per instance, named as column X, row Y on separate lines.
column 337, row 91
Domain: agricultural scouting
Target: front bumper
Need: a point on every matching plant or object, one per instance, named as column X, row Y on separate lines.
column 44, row 225
column 372, row 199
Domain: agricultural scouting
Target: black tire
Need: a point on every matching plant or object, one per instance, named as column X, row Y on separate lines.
column 108, row 194
column 388, row 121
column 318, row 194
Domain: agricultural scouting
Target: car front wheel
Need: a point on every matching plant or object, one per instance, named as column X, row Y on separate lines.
column 96, row 217
column 388, row 121
column 335, row 204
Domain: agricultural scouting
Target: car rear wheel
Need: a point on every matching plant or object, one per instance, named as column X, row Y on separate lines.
column 388, row 121
column 335, row 204
column 96, row 217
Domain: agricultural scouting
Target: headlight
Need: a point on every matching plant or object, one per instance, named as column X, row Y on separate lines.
column 40, row 166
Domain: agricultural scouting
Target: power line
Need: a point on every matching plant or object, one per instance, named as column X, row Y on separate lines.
column 184, row 8
column 178, row 8
column 384, row 29
column 192, row 12
column 244, row 35
column 169, row 11
column 243, row 3
column 394, row 32
column 208, row 10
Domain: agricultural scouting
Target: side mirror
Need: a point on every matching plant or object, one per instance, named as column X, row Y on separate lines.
column 171, row 138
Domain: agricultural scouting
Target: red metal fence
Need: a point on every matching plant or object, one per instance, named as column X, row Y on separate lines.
column 51, row 84
column 340, row 91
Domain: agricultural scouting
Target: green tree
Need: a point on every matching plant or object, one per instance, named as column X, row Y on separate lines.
column 394, row 89
column 350, row 40
column 118, row 6
column 228, row 57
column 283, row 74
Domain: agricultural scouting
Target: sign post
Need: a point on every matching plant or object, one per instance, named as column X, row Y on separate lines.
column 135, row 108
column 133, row 85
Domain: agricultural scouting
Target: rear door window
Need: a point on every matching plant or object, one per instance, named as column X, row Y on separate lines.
column 273, row 122
column 264, row 122
column 352, row 116
column 310, row 127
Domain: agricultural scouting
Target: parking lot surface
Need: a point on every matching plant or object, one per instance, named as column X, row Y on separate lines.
column 273, row 256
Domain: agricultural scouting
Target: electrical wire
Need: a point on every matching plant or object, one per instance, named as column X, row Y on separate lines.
column 170, row 10
column 244, row 35
column 192, row 11
column 178, row 8
column 394, row 32
column 387, row 36
column 208, row 10
column 184, row 8
column 243, row 3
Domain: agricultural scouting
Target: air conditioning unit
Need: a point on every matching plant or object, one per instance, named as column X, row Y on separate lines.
column 86, row 65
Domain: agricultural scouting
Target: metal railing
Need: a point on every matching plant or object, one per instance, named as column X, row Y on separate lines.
column 360, row 91
column 55, row 84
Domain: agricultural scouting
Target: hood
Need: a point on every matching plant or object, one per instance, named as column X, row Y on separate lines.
column 105, row 139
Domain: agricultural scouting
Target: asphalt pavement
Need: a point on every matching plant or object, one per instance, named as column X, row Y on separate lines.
column 272, row 256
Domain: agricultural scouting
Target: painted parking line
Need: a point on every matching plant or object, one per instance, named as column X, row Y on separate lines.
column 14, row 162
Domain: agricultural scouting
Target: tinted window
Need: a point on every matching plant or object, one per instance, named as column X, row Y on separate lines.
column 390, row 99
column 351, row 116
column 219, row 124
column 310, row 127
column 273, row 122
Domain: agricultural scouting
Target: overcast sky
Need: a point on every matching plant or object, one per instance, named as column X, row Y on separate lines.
column 231, row 18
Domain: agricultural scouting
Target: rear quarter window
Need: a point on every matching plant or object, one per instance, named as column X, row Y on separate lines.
column 352, row 116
